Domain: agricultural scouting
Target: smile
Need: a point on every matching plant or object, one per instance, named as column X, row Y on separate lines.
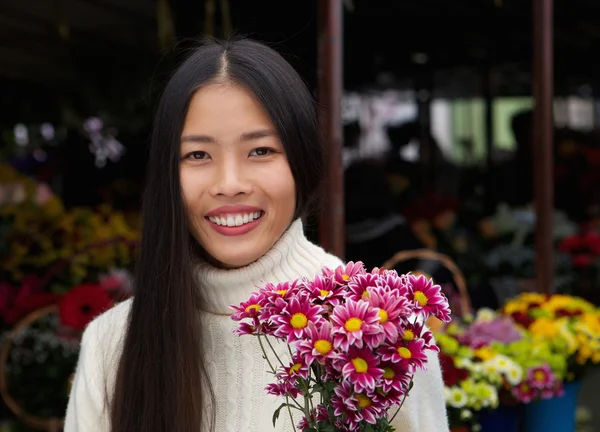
column 235, row 220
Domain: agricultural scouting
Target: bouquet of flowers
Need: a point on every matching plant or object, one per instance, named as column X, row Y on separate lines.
column 564, row 325
column 355, row 339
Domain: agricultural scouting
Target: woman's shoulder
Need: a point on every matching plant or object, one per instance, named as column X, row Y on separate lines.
column 107, row 330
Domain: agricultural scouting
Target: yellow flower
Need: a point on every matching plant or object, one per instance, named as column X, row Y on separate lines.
column 544, row 328
column 484, row 353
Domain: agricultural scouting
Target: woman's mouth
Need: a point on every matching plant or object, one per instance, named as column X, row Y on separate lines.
column 235, row 219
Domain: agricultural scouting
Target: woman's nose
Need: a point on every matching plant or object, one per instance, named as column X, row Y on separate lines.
column 231, row 180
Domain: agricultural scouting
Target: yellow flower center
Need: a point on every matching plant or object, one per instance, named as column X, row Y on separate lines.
column 281, row 292
column 299, row 320
column 360, row 365
column 365, row 295
column 295, row 368
column 353, row 324
column 256, row 307
column 322, row 346
column 539, row 376
column 524, row 387
column 421, row 298
column 383, row 316
column 404, row 352
column 363, row 401
column 388, row 373
column 408, row 335
column 345, row 277
column 324, row 293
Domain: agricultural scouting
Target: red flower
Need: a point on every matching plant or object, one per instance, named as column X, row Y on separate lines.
column 451, row 374
column 592, row 242
column 522, row 318
column 570, row 243
column 17, row 302
column 582, row 260
column 82, row 304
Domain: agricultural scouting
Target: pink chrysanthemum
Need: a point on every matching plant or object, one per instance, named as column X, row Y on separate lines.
column 540, row 377
column 360, row 367
column 283, row 388
column 296, row 369
column 353, row 406
column 391, row 398
column 252, row 308
column 284, row 290
column 322, row 413
column 324, row 290
column 410, row 355
column 318, row 344
column 524, row 392
column 246, row 328
column 343, row 274
column 344, row 404
column 392, row 311
column 359, row 285
column 428, row 298
column 354, row 324
column 391, row 281
column 293, row 317
column 419, row 331
column 394, row 378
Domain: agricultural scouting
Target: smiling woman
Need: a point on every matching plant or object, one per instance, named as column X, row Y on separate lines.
column 235, row 162
column 237, row 183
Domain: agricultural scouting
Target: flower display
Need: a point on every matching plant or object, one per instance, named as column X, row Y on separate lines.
column 355, row 340
column 566, row 326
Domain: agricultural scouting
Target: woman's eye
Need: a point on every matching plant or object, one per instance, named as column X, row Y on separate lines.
column 261, row 151
column 197, row 155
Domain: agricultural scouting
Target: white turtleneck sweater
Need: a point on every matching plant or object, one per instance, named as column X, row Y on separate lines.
column 235, row 365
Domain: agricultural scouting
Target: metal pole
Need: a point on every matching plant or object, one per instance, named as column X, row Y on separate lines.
column 330, row 40
column 543, row 133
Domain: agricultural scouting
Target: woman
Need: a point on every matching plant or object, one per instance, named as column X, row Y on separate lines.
column 235, row 161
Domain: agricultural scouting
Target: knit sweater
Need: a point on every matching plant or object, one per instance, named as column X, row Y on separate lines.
column 236, row 367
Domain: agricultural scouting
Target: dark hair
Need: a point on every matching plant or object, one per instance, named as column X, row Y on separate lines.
column 161, row 383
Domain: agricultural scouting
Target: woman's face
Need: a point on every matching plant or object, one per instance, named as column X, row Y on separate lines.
column 236, row 181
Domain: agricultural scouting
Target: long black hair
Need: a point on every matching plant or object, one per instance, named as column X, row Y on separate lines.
column 161, row 383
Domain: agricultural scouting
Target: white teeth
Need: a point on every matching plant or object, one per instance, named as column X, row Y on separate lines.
column 235, row 219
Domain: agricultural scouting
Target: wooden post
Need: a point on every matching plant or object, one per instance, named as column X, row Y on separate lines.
column 330, row 39
column 543, row 134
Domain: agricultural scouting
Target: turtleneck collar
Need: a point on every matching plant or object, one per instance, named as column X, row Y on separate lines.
column 292, row 257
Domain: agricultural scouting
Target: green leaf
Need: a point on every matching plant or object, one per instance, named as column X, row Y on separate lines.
column 277, row 411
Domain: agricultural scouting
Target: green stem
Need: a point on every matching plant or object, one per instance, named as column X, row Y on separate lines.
column 403, row 400
column 274, row 352
column 262, row 347
column 287, row 399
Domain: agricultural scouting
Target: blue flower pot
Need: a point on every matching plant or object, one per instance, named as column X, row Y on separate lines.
column 556, row 414
column 502, row 419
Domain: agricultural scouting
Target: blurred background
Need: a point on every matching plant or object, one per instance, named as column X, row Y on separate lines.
column 437, row 154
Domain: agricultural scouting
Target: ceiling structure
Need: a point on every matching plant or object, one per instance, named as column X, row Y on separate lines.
column 107, row 44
